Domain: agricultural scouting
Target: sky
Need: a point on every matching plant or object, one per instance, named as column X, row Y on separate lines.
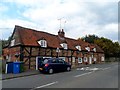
column 78, row 17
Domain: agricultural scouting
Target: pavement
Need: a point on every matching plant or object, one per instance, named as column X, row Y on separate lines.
column 32, row 72
column 23, row 74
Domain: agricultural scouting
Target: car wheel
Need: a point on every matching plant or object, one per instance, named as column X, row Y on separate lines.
column 50, row 71
column 68, row 68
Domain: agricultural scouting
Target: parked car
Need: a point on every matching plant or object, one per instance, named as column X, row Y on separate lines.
column 54, row 65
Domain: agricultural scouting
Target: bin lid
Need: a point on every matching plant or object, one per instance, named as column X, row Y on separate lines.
column 17, row 62
column 9, row 62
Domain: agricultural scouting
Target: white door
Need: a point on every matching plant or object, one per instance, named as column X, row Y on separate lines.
column 90, row 60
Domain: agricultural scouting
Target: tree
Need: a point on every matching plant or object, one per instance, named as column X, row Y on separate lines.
column 110, row 48
column 5, row 43
column 116, row 48
column 103, row 43
column 90, row 38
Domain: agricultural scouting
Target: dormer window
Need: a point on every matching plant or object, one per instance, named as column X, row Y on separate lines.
column 43, row 43
column 94, row 49
column 12, row 42
column 87, row 48
column 78, row 47
column 64, row 45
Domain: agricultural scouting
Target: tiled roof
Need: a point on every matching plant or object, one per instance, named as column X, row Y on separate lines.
column 98, row 49
column 30, row 37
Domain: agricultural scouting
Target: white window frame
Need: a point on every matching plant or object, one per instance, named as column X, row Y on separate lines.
column 12, row 42
column 43, row 43
column 80, row 60
column 87, row 48
column 94, row 49
column 64, row 45
column 78, row 47
column 85, row 59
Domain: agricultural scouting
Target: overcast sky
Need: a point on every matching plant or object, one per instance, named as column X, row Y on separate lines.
column 83, row 17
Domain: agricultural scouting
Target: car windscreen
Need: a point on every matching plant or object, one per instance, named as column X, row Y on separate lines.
column 45, row 61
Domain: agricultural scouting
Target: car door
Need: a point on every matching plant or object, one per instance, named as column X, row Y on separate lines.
column 61, row 65
column 54, row 65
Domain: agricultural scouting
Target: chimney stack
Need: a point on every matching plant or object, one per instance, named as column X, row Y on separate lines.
column 61, row 33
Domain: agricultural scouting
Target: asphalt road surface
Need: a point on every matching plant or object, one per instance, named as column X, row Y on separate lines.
column 94, row 76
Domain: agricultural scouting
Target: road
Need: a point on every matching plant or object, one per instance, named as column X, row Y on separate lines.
column 94, row 76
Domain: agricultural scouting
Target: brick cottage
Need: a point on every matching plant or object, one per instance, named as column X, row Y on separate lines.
column 29, row 44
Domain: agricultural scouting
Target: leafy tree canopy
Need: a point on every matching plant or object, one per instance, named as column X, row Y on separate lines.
column 110, row 48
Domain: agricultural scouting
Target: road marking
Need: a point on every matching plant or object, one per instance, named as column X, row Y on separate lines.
column 106, row 68
column 83, row 74
column 47, row 85
column 88, row 68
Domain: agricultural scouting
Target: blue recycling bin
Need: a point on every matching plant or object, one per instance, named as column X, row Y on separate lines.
column 16, row 67
column 9, row 67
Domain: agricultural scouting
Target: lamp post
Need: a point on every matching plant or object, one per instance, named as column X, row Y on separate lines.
column 57, row 50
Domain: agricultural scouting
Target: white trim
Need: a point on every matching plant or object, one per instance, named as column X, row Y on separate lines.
column 43, row 43
column 37, row 63
column 64, row 45
column 87, row 48
column 94, row 49
column 78, row 47
column 6, row 68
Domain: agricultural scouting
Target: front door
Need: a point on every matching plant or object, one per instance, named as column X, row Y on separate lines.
column 38, row 61
column 90, row 60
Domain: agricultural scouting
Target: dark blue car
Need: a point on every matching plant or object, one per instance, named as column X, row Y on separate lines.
column 54, row 65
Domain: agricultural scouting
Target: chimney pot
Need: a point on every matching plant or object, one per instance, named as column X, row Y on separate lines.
column 61, row 33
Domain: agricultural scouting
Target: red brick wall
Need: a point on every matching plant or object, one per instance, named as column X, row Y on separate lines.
column 10, row 52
